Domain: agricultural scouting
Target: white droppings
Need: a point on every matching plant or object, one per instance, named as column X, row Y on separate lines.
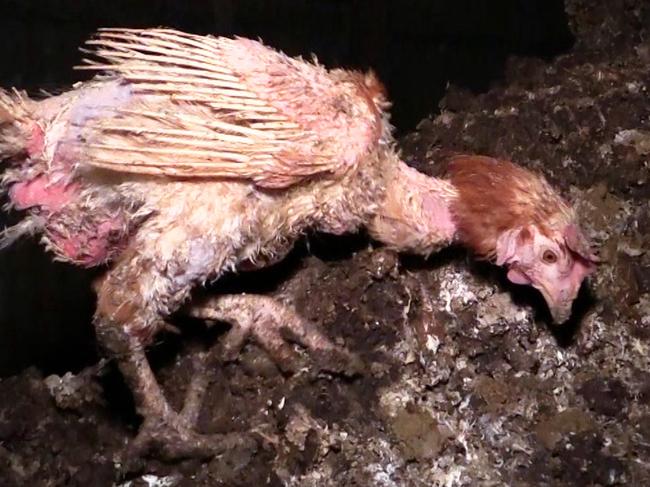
column 433, row 343
column 454, row 288
column 153, row 481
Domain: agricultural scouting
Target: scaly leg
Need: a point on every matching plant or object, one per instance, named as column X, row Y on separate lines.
column 272, row 325
column 124, row 324
column 264, row 319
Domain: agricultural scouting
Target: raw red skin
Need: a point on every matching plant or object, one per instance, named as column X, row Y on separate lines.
column 43, row 191
column 50, row 191
column 50, row 194
column 90, row 249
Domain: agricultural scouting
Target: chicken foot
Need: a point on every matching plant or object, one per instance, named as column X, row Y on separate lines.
column 170, row 433
column 273, row 325
column 131, row 306
column 252, row 316
column 261, row 317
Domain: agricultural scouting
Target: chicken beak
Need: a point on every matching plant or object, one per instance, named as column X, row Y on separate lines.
column 559, row 301
column 560, row 314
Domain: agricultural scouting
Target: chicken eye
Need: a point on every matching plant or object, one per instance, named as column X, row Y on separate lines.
column 549, row 257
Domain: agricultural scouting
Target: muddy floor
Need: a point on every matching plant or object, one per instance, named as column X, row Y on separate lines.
column 465, row 382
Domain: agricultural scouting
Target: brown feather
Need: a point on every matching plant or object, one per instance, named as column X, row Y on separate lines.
column 495, row 196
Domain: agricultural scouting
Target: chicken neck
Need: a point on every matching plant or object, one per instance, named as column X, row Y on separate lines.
column 415, row 214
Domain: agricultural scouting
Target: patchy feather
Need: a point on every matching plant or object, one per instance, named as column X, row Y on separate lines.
column 228, row 108
column 13, row 118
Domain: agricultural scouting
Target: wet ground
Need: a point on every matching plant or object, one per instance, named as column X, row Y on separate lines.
column 465, row 383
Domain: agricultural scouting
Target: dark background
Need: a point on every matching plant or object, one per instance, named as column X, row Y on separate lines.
column 417, row 47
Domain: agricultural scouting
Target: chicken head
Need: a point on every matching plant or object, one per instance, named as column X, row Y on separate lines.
column 553, row 262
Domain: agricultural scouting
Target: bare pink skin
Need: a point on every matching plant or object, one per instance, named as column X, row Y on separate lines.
column 51, row 191
column 51, row 194
column 36, row 141
column 86, row 246
column 550, row 266
column 41, row 191
column 89, row 248
column 441, row 219
column 415, row 214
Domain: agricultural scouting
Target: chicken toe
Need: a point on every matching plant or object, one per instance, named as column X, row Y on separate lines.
column 169, row 434
column 274, row 326
column 172, row 437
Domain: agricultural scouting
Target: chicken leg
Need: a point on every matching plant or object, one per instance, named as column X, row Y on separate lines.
column 273, row 325
column 125, row 323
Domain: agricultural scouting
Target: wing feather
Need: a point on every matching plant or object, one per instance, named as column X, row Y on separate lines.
column 220, row 107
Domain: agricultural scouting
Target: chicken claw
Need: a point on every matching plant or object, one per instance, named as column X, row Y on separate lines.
column 171, row 434
column 273, row 325
column 173, row 437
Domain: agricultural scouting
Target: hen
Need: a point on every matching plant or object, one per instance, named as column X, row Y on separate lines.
column 188, row 157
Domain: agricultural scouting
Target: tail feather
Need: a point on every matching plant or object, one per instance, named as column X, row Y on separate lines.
column 13, row 117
